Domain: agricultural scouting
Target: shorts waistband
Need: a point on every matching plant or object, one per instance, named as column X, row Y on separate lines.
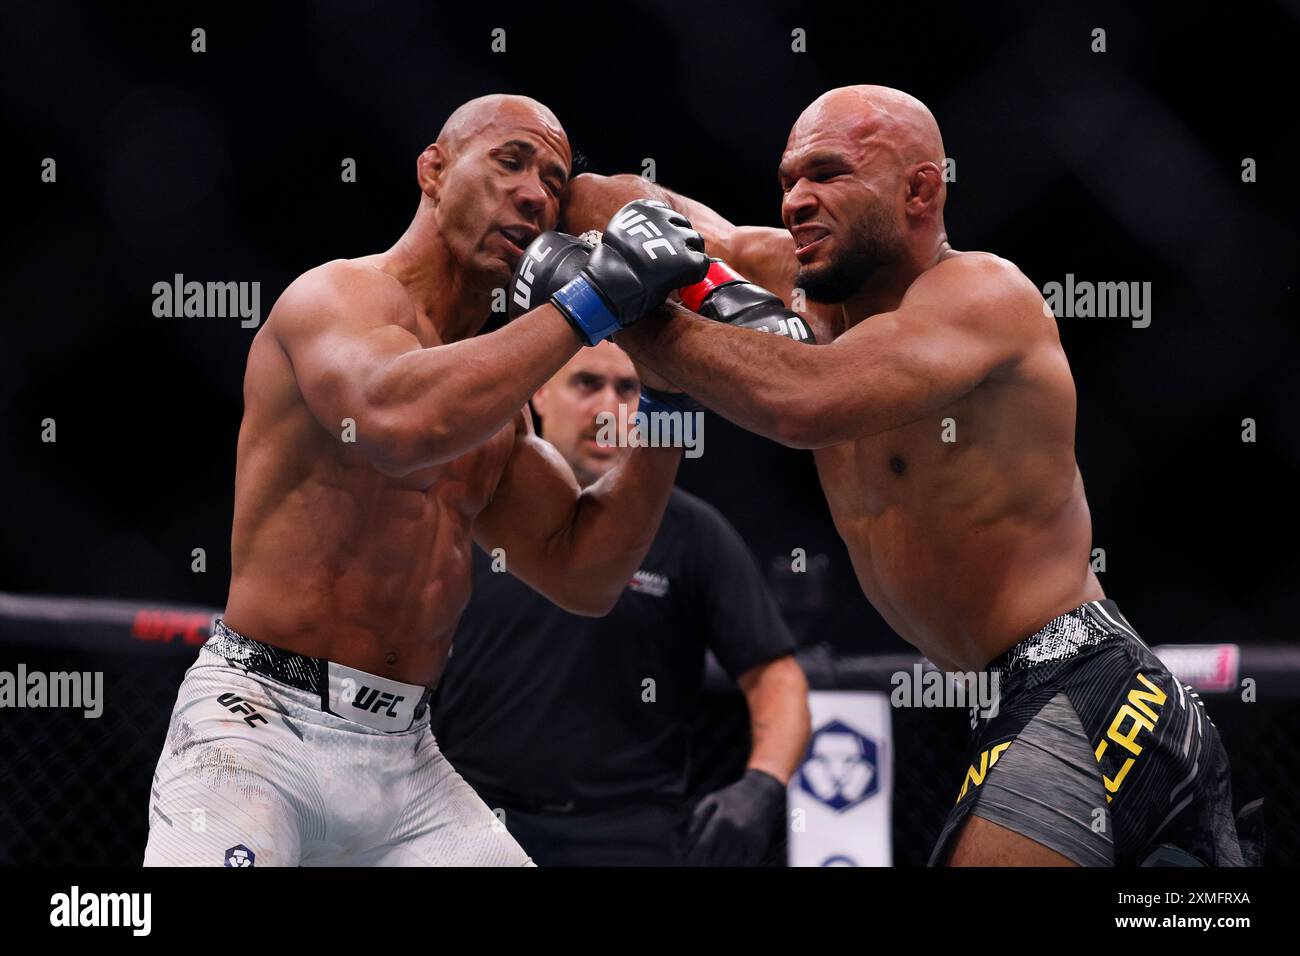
column 367, row 699
column 1065, row 636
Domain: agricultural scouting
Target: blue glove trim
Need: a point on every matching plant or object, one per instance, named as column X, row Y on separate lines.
column 653, row 400
column 584, row 307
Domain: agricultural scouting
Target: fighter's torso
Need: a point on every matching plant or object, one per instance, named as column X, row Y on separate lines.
column 333, row 559
column 969, row 529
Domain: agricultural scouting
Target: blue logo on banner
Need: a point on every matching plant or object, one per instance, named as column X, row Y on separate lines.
column 240, row 855
column 840, row 767
column 839, row 859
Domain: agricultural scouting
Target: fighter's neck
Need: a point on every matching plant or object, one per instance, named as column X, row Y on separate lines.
column 436, row 284
column 885, row 289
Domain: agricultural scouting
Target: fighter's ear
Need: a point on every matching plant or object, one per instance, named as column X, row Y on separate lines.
column 429, row 168
column 924, row 188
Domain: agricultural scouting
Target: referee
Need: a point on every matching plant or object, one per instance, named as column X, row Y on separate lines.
column 576, row 730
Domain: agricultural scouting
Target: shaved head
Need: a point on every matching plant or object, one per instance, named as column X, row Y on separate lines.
column 492, row 181
column 495, row 111
column 878, row 116
column 862, row 174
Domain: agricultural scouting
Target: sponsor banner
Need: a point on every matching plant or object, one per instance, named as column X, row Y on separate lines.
column 840, row 798
column 1209, row 668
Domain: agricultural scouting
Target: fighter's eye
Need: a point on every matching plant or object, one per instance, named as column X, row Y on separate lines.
column 509, row 162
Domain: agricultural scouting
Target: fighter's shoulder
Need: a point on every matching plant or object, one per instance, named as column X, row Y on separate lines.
column 343, row 290
column 983, row 281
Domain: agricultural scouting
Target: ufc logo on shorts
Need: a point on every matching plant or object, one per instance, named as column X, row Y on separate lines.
column 371, row 700
column 237, row 705
column 635, row 224
column 524, row 287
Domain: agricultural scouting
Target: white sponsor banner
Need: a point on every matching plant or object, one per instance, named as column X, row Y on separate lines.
column 839, row 799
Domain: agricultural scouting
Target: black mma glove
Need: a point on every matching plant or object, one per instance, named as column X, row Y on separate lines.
column 646, row 252
column 734, row 826
column 549, row 262
column 726, row 296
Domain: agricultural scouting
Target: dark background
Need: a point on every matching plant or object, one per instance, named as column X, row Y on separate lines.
column 225, row 165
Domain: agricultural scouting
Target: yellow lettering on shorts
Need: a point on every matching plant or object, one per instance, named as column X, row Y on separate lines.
column 1142, row 716
column 987, row 759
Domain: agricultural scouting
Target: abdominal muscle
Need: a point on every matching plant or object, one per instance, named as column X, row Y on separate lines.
column 334, row 560
column 972, row 548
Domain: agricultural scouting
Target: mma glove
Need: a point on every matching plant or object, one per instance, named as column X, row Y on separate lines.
column 724, row 295
column 646, row 251
column 734, row 826
column 552, row 262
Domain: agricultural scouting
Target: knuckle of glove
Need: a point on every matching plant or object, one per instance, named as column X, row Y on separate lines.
column 550, row 261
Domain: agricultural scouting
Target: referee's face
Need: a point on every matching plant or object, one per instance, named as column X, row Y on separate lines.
column 600, row 379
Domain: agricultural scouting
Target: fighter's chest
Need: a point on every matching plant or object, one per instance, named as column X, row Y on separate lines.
column 867, row 476
column 466, row 484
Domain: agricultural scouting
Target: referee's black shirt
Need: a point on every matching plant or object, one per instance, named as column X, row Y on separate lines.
column 545, row 705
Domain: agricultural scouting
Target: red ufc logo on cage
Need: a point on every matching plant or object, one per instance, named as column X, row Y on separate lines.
column 169, row 625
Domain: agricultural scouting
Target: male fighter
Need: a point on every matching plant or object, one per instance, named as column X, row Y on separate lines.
column 378, row 439
column 941, row 408
column 546, row 714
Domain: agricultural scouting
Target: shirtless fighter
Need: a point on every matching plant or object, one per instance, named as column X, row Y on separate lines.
column 940, row 408
column 378, row 438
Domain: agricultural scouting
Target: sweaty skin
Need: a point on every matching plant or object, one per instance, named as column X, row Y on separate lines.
column 938, row 403
column 966, row 545
column 379, row 437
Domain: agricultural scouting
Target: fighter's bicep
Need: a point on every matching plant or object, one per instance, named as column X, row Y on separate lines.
column 940, row 343
column 533, row 503
column 338, row 349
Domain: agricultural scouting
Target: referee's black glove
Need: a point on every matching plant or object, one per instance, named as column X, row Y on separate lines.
column 734, row 826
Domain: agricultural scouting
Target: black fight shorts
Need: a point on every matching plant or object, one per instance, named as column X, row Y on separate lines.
column 1095, row 750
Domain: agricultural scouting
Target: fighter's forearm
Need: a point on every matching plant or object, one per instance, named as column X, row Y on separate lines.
column 780, row 724
column 757, row 380
column 763, row 255
column 614, row 524
column 591, row 200
column 438, row 403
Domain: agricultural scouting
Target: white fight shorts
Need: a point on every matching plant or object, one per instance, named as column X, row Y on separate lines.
column 275, row 759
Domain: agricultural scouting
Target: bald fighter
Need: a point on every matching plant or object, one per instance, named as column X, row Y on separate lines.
column 379, row 437
column 940, row 408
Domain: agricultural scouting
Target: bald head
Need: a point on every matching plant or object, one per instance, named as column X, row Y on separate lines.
column 878, row 115
column 486, row 114
column 493, row 181
column 862, row 176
